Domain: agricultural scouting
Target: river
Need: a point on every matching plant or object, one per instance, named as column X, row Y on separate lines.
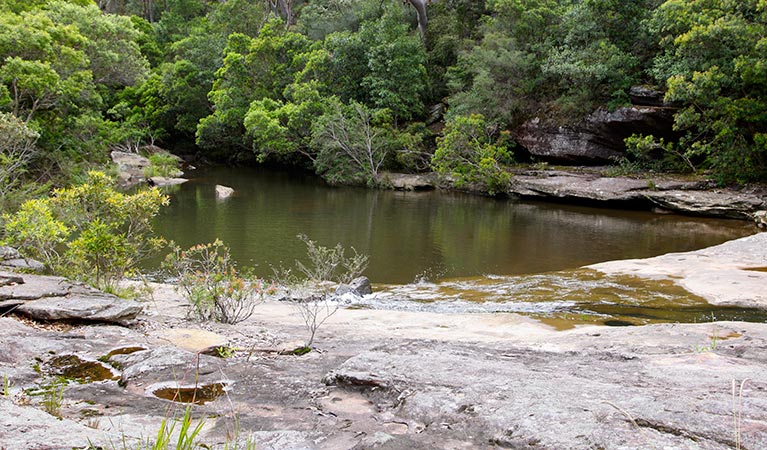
column 412, row 236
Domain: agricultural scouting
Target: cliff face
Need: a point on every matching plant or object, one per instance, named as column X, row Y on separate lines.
column 596, row 140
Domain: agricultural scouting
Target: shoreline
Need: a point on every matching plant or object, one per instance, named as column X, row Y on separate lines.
column 595, row 186
column 388, row 380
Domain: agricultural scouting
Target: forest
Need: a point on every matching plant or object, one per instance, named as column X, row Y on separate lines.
column 349, row 89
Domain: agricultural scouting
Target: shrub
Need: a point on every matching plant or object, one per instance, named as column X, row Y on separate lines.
column 36, row 232
column 17, row 151
column 211, row 283
column 311, row 287
column 90, row 231
column 646, row 153
column 330, row 264
column 470, row 153
column 162, row 165
column 353, row 143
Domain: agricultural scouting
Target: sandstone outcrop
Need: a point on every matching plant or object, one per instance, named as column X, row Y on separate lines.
column 687, row 197
column 596, row 140
column 55, row 298
column 359, row 286
column 760, row 218
column 733, row 273
column 130, row 166
column 409, row 182
column 167, row 181
column 11, row 258
column 223, row 192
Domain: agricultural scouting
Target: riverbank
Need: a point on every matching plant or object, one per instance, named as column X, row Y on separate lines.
column 595, row 186
column 408, row 380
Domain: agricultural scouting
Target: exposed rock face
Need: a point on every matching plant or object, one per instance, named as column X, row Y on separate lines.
column 728, row 274
column 163, row 364
column 389, row 380
column 131, row 167
column 410, row 182
column 193, row 340
column 30, row 428
column 55, row 298
column 687, row 197
column 526, row 398
column 12, row 259
column 96, row 308
column 760, row 217
column 647, row 96
column 598, row 139
column 166, row 181
column 8, row 253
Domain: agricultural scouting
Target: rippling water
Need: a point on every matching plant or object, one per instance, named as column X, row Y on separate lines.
column 562, row 299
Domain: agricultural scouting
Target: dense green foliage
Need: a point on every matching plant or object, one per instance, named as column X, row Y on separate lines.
column 61, row 65
column 89, row 231
column 471, row 152
column 714, row 62
column 346, row 89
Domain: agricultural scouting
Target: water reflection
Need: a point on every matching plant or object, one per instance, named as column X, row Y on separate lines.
column 412, row 235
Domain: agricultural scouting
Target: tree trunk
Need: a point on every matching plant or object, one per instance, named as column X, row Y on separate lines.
column 423, row 19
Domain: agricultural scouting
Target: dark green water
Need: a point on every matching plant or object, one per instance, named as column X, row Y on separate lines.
column 411, row 236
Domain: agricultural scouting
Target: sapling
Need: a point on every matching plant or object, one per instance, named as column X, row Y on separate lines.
column 311, row 288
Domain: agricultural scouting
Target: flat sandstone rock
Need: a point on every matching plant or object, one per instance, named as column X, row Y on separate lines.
column 733, row 273
column 82, row 307
column 194, row 340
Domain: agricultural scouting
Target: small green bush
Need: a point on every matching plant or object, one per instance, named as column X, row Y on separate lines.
column 162, row 165
column 312, row 283
column 646, row 153
column 470, row 152
column 213, row 285
column 88, row 232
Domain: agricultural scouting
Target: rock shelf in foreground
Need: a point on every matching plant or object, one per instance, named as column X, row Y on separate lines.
column 405, row 380
column 55, row 298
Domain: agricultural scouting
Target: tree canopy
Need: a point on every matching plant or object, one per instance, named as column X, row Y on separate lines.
column 257, row 80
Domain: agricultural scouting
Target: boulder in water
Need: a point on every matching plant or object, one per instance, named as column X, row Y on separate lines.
column 760, row 217
column 223, row 192
column 359, row 287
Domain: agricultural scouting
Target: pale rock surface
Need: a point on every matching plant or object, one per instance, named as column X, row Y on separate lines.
column 130, row 166
column 688, row 197
column 24, row 428
column 168, row 181
column 388, row 380
column 733, row 273
column 103, row 308
column 56, row 298
column 359, row 287
column 223, row 192
column 193, row 339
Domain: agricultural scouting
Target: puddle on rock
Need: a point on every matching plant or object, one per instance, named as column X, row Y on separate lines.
column 564, row 299
column 198, row 395
column 123, row 351
column 75, row 368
